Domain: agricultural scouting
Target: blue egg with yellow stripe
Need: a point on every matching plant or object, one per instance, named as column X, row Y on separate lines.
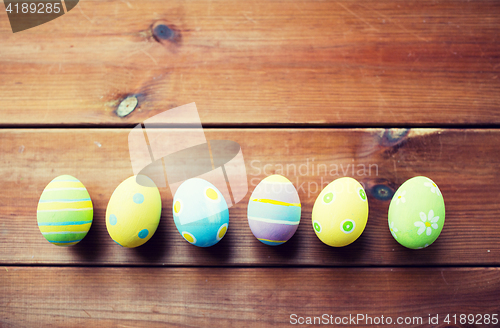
column 274, row 210
column 65, row 211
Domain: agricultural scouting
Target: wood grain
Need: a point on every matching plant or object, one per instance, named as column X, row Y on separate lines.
column 209, row 297
column 370, row 63
column 464, row 163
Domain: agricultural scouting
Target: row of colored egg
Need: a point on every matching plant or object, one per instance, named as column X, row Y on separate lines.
column 201, row 215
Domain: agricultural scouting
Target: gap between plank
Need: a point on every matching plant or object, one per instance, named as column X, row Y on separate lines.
column 260, row 126
column 173, row 266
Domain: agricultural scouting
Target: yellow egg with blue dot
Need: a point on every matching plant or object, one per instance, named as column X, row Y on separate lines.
column 340, row 212
column 200, row 212
column 65, row 211
column 134, row 211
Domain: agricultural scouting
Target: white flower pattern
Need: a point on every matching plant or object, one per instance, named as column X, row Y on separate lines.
column 427, row 223
column 401, row 197
column 393, row 230
column 433, row 186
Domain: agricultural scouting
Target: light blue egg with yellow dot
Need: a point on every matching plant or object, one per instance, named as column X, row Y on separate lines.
column 200, row 212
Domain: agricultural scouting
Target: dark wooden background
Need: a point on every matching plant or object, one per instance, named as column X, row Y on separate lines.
column 411, row 87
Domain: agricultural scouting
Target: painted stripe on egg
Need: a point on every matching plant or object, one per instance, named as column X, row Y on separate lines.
column 69, row 194
column 63, row 189
column 64, row 184
column 67, row 210
column 67, row 228
column 284, row 192
column 274, row 212
column 63, row 216
column 65, row 200
column 63, row 232
column 64, row 223
column 65, row 242
column 274, row 202
column 273, row 221
column 65, row 238
column 50, row 206
column 66, row 178
column 64, row 205
column 272, row 242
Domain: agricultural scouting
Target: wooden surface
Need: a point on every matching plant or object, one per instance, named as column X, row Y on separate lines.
column 403, row 88
column 259, row 62
column 101, row 160
column 209, row 297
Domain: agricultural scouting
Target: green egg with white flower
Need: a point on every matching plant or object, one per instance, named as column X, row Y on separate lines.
column 416, row 213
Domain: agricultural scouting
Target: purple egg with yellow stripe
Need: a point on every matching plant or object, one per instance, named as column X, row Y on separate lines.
column 274, row 210
column 65, row 211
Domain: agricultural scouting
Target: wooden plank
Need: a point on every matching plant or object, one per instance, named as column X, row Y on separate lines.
column 464, row 163
column 264, row 62
column 209, row 297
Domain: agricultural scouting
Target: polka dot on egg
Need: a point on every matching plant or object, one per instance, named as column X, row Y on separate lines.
column 317, row 226
column 347, row 226
column 189, row 237
column 211, row 193
column 362, row 194
column 112, row 219
column 177, row 207
column 144, row 233
column 328, row 198
column 138, row 198
column 222, row 231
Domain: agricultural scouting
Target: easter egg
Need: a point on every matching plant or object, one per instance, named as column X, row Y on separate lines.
column 274, row 210
column 340, row 212
column 134, row 211
column 416, row 213
column 200, row 212
column 65, row 211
